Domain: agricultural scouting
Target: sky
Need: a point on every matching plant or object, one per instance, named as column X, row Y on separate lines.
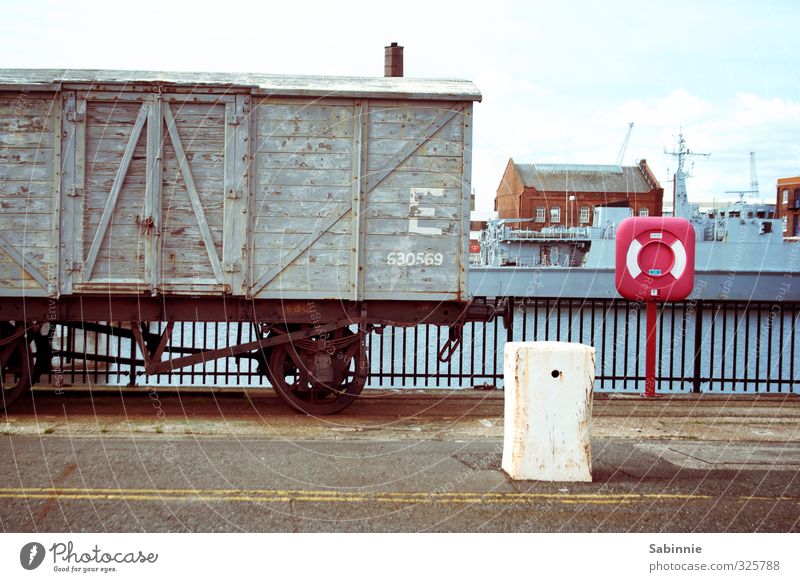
column 560, row 80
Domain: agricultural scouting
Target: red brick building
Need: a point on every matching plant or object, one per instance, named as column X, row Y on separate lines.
column 566, row 194
column 787, row 206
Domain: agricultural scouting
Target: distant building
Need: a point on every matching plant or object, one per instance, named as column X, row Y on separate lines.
column 787, row 206
column 566, row 194
column 475, row 228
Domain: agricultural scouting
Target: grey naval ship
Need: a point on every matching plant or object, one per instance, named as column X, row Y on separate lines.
column 740, row 252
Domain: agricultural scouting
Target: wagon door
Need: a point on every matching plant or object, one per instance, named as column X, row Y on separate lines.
column 151, row 175
column 106, row 187
column 204, row 198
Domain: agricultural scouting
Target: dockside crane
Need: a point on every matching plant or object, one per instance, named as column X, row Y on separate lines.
column 624, row 144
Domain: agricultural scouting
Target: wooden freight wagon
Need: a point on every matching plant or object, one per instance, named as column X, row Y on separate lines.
column 320, row 208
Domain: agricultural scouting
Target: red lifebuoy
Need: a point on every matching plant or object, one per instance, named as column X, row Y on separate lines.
column 656, row 254
column 655, row 258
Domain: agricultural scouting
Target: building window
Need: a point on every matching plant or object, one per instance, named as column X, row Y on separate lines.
column 540, row 214
column 785, row 224
column 644, row 212
column 786, row 196
column 583, row 215
column 555, row 214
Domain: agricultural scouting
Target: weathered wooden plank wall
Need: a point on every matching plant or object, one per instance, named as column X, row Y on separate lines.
column 125, row 191
column 418, row 206
column 413, row 178
column 301, row 217
column 28, row 193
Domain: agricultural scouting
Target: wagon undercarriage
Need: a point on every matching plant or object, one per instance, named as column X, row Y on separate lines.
column 313, row 356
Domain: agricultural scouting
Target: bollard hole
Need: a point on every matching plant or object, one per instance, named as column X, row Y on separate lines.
column 555, row 373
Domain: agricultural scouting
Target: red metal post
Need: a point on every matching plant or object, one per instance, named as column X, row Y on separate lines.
column 650, row 351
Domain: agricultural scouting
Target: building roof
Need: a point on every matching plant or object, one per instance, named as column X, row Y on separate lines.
column 584, row 178
column 261, row 84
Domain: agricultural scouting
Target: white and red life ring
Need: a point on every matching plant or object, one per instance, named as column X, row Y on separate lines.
column 655, row 258
column 664, row 255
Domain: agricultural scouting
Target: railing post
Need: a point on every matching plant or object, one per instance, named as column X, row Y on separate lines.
column 510, row 322
column 698, row 345
column 132, row 381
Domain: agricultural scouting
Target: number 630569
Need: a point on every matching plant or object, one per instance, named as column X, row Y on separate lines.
column 412, row 259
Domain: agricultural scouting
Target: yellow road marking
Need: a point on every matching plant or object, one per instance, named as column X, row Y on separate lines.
column 322, row 496
column 306, row 498
column 762, row 498
column 332, row 493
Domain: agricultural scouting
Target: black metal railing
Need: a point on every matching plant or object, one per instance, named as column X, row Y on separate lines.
column 703, row 346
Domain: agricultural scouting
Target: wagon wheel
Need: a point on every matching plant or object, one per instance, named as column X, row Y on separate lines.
column 319, row 375
column 16, row 363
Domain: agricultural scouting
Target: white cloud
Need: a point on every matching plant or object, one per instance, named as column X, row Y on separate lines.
column 552, row 131
column 503, row 84
column 754, row 110
column 677, row 108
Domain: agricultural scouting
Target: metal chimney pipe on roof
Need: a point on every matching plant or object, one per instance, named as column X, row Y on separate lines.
column 393, row 60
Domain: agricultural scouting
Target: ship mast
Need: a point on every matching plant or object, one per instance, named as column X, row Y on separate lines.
column 680, row 199
column 753, row 175
column 753, row 181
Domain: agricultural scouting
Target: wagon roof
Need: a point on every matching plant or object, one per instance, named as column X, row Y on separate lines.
column 261, row 84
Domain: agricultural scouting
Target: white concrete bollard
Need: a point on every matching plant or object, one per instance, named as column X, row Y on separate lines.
column 548, row 411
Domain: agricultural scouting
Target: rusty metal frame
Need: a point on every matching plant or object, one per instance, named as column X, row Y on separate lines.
column 80, row 312
column 94, row 308
column 159, row 367
column 154, row 357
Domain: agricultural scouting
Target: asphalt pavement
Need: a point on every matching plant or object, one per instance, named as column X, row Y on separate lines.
column 421, row 461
